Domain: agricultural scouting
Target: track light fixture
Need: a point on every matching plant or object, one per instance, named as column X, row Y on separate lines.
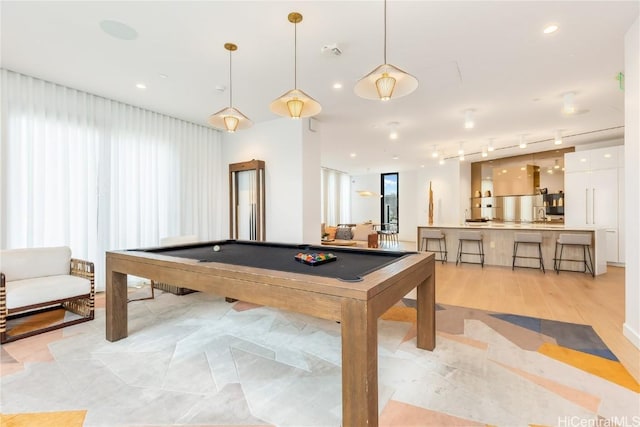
column 469, row 123
column 569, row 103
column 523, row 144
column 558, row 138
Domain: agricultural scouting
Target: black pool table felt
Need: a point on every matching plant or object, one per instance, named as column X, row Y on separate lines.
column 351, row 264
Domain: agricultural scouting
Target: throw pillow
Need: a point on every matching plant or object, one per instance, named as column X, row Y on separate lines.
column 362, row 231
column 344, row 233
column 331, row 231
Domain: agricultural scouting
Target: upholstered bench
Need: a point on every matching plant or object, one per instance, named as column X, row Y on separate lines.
column 36, row 279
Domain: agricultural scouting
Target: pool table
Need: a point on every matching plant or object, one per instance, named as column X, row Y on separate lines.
column 354, row 289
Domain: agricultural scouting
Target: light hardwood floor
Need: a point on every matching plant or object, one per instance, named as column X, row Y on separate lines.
column 567, row 297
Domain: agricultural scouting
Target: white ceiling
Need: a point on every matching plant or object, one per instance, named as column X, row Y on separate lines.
column 491, row 57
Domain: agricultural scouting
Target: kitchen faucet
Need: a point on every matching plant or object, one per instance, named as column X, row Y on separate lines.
column 542, row 214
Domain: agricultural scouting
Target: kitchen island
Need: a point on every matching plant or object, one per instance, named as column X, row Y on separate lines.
column 498, row 243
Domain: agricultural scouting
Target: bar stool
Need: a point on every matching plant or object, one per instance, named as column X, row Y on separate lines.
column 577, row 240
column 470, row 236
column 527, row 239
column 439, row 236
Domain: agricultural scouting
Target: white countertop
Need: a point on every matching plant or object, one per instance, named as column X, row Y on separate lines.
column 511, row 226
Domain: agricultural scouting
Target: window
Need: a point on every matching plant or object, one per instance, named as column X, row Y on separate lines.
column 389, row 199
column 336, row 202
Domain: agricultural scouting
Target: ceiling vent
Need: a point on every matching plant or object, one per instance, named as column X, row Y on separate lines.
column 331, row 48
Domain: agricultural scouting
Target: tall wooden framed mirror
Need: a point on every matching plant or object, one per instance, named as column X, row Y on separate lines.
column 247, row 201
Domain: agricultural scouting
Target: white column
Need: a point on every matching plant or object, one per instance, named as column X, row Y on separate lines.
column 631, row 328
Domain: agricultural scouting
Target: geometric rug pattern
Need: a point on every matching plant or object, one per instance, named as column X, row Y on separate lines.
column 198, row 360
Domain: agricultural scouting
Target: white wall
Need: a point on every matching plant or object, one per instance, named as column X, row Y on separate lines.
column 409, row 216
column 631, row 328
column 365, row 208
column 311, row 183
column 450, row 194
column 450, row 183
column 290, row 171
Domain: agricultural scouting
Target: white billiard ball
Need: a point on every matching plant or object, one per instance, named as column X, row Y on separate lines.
column 216, row 248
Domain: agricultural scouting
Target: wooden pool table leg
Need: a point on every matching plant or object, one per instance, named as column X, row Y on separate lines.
column 426, row 313
column 116, row 306
column 359, row 365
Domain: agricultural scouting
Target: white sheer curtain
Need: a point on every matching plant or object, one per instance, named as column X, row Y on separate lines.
column 336, row 200
column 96, row 174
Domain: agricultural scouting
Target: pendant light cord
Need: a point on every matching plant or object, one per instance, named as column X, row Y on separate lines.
column 230, row 83
column 295, row 55
column 385, row 31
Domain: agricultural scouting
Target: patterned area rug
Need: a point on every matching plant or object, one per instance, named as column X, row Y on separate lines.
column 197, row 360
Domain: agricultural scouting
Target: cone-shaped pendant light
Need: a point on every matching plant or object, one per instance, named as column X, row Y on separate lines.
column 295, row 103
column 229, row 118
column 386, row 80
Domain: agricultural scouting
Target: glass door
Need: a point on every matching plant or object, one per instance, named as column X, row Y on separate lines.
column 389, row 200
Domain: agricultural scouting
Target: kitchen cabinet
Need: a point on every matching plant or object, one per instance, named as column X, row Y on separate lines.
column 588, row 160
column 592, row 194
column 591, row 198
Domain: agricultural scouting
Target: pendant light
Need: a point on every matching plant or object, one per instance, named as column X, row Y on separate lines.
column 230, row 119
column 386, row 80
column 295, row 103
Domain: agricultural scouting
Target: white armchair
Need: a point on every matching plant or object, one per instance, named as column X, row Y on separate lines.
column 37, row 279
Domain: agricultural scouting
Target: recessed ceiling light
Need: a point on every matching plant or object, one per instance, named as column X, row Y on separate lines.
column 141, row 85
column 421, row 166
column 606, row 156
column 550, row 29
column 337, row 85
column 352, row 155
column 441, row 161
column 395, row 157
column 118, row 30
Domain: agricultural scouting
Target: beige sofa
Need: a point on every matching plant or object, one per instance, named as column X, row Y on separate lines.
column 352, row 234
column 37, row 279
